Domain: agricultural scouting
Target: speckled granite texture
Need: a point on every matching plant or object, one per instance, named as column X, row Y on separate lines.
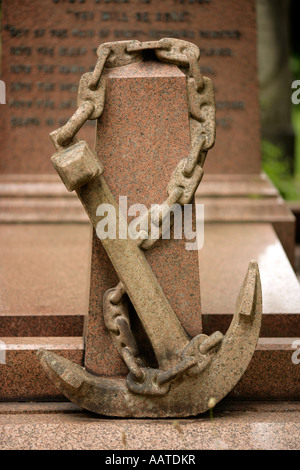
column 235, row 426
column 142, row 135
column 270, row 375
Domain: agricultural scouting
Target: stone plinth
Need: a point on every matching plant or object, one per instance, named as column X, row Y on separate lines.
column 270, row 375
column 235, row 426
column 248, row 199
column 22, row 375
column 44, row 279
column 142, row 135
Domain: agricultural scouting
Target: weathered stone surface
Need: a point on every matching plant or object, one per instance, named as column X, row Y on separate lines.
column 235, row 426
column 143, row 134
column 270, row 376
column 214, row 374
column 44, row 270
column 281, row 290
column 22, row 377
column 190, row 372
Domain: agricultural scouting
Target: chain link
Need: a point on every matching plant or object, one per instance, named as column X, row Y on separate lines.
column 117, row 322
column 142, row 379
column 65, row 134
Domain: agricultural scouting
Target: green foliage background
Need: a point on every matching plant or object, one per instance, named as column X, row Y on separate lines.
column 273, row 161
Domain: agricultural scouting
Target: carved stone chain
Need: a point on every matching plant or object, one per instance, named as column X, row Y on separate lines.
column 180, row 189
column 91, row 100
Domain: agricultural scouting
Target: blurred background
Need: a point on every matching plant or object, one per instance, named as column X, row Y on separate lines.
column 279, row 69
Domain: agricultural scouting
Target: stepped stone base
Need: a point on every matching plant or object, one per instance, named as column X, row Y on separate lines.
column 234, row 426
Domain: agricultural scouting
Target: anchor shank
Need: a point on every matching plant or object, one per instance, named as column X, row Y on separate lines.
column 160, row 322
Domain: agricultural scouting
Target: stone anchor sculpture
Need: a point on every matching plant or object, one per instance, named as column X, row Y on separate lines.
column 190, row 370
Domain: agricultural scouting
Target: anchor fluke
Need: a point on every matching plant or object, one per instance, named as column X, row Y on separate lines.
column 188, row 394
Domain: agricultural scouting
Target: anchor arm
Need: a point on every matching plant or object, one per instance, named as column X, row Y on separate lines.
column 160, row 322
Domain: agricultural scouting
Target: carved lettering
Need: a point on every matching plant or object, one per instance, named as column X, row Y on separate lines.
column 21, row 68
column 222, row 34
column 82, row 15
column 21, row 50
column 233, row 105
column 181, row 33
column 128, row 34
column 113, row 16
column 48, row 51
column 114, row 1
column 173, row 16
column 46, row 68
column 191, row 2
column 68, row 104
column 38, row 33
column 59, row 33
column 104, row 33
column 144, row 17
column 71, row 69
column 20, row 86
column 16, row 32
column 71, row 87
column 68, row 1
column 49, row 104
column 24, row 121
column 208, row 70
column 45, row 86
column 72, row 51
column 83, row 33
column 217, row 51
column 20, row 103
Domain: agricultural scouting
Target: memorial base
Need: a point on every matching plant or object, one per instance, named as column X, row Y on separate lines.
column 44, row 302
column 235, row 425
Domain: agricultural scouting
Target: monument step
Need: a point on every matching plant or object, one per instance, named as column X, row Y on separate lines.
column 38, row 198
column 256, row 186
column 44, row 271
column 223, row 261
column 247, row 198
column 271, row 374
column 38, row 298
column 273, row 325
column 41, row 325
column 227, row 198
column 22, row 377
column 15, row 210
column 235, row 425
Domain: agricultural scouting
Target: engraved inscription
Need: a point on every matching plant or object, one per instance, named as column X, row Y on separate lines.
column 21, row 68
column 21, row 50
column 20, row 86
column 69, row 51
column 221, row 34
column 233, row 105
